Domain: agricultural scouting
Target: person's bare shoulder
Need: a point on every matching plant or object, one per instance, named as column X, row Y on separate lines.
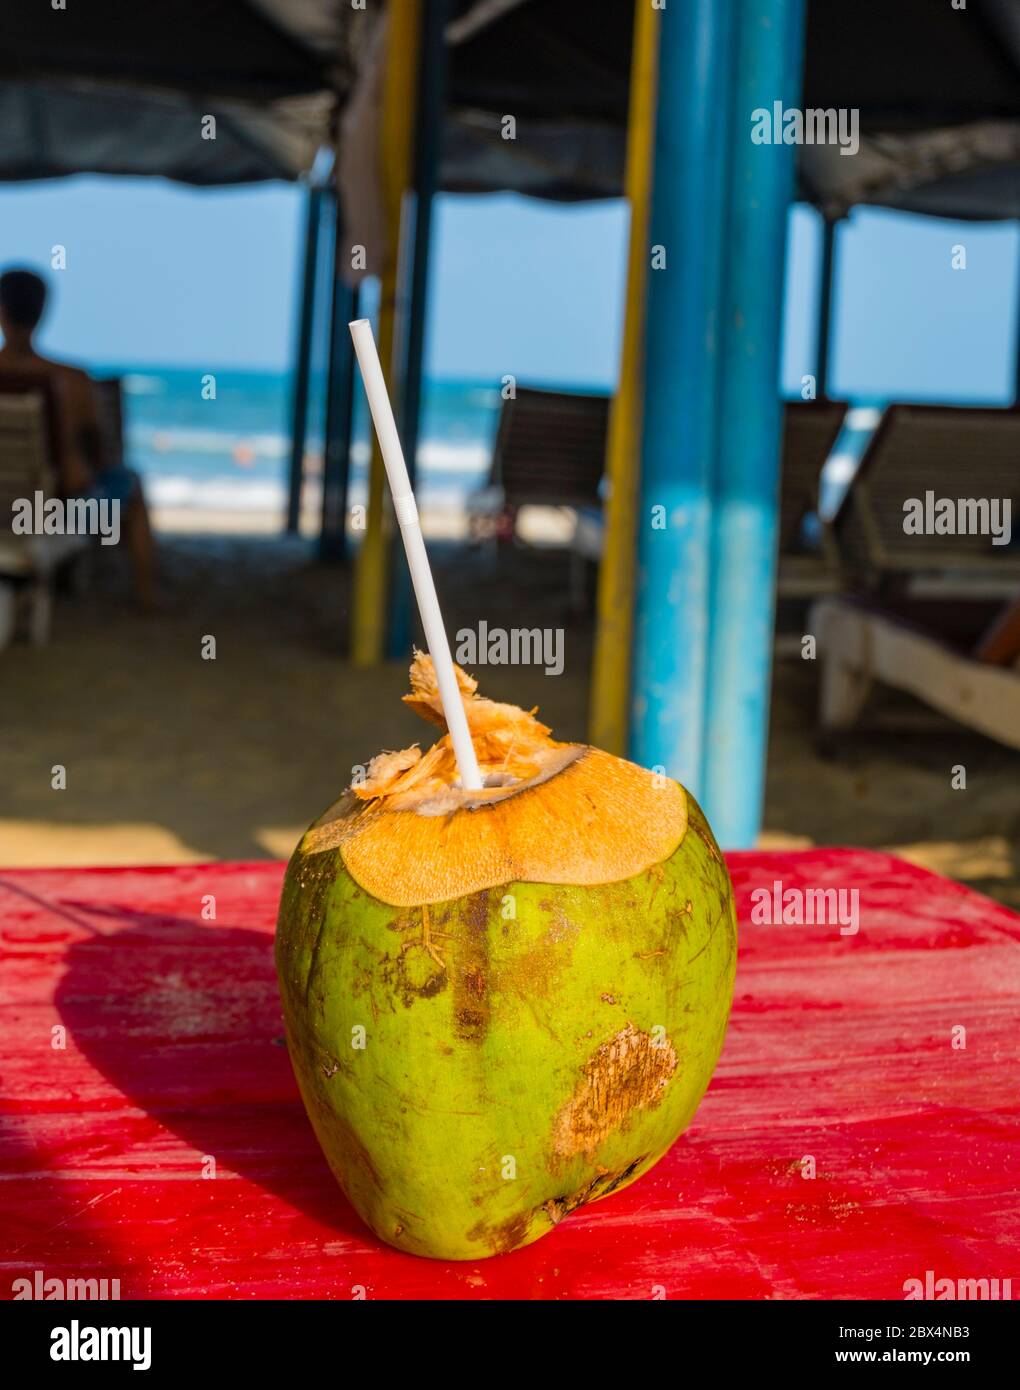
column 74, row 384
column 67, row 371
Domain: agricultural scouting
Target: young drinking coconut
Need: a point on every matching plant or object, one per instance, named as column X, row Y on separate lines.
column 506, row 967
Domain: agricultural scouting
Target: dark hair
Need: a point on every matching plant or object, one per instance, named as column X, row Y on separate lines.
column 22, row 297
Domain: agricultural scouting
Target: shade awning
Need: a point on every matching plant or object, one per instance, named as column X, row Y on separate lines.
column 121, row 89
column 53, row 129
column 966, row 172
column 936, row 89
column 224, row 48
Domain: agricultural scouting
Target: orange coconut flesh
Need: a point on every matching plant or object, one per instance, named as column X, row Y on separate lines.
column 548, row 812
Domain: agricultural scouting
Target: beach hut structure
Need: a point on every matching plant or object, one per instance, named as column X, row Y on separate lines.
column 932, row 97
column 660, row 99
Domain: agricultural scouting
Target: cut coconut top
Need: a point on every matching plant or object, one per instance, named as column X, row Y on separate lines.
column 548, row 812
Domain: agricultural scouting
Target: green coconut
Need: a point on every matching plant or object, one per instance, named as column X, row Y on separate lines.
column 502, row 1005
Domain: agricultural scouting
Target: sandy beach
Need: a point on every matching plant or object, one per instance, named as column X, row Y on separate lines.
column 171, row 757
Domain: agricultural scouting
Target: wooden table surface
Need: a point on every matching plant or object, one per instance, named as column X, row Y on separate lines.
column 165, row 1145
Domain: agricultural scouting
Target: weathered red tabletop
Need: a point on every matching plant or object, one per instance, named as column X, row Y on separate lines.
column 164, row 1143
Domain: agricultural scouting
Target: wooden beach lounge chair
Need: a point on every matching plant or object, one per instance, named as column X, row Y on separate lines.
column 27, row 465
column 810, row 431
column 927, row 612
column 923, row 455
column 550, row 451
column 110, row 409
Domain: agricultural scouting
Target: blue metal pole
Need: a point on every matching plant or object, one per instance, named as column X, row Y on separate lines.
column 681, row 384
column 768, row 65
column 303, row 358
column 826, row 277
column 336, row 452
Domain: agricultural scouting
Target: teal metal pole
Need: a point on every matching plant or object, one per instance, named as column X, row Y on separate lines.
column 681, row 385
column 303, row 358
column 826, row 286
column 336, row 451
column 768, row 67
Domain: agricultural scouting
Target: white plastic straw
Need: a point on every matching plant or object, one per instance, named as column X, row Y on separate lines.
column 406, row 510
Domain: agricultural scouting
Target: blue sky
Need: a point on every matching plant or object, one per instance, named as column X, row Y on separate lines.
column 164, row 275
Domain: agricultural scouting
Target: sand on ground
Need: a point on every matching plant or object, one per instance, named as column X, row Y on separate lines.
column 173, row 757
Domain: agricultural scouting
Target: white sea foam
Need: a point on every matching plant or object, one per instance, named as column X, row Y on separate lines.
column 216, row 494
column 437, row 456
column 434, row 456
column 193, row 441
column 137, row 384
column 239, row 493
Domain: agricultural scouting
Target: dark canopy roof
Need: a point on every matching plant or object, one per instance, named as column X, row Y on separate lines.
column 120, row 88
column 53, row 128
column 217, row 47
column 918, row 72
column 901, row 62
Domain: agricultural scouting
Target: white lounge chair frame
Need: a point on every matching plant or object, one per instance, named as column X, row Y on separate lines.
column 857, row 646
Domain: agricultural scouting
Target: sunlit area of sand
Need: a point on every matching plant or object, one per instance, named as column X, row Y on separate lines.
column 170, row 757
column 538, row 526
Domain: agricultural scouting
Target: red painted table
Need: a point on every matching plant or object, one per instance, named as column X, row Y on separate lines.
column 841, row 1048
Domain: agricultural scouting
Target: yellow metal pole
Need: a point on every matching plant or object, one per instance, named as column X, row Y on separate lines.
column 400, row 88
column 615, row 621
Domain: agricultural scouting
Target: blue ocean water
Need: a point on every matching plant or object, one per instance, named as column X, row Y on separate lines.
column 233, row 451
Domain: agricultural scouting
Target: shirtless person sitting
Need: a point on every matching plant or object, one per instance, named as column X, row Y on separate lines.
column 83, row 470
